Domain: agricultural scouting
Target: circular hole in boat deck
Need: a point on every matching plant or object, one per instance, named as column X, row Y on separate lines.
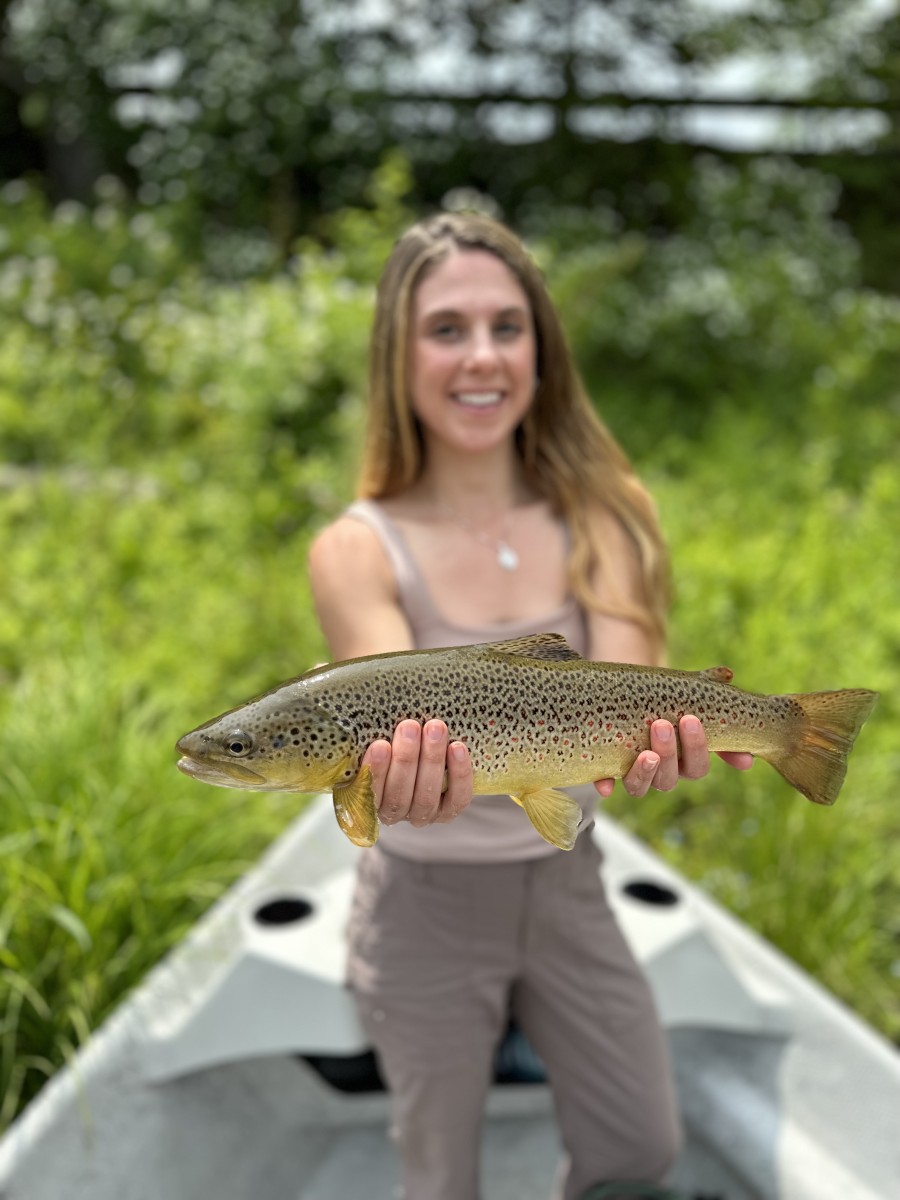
column 283, row 910
column 648, row 892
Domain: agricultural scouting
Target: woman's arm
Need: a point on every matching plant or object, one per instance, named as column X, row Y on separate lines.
column 358, row 609
column 615, row 640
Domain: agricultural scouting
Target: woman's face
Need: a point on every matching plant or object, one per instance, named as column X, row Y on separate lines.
column 473, row 352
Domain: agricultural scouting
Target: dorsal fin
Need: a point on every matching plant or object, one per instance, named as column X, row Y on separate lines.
column 719, row 674
column 548, row 646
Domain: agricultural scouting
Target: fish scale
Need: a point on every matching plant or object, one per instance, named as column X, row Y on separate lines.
column 534, row 715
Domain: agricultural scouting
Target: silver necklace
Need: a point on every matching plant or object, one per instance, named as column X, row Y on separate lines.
column 507, row 557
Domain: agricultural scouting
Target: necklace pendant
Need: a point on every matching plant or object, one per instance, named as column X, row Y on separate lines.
column 507, row 558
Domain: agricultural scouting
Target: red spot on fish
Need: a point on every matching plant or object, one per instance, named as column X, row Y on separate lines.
column 722, row 721
column 608, row 726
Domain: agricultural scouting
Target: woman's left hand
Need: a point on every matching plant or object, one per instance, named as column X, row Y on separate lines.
column 661, row 768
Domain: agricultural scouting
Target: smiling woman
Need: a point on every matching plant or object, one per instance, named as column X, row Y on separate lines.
column 495, row 505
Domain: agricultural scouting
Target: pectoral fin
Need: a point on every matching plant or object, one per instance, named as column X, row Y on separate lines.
column 554, row 815
column 354, row 807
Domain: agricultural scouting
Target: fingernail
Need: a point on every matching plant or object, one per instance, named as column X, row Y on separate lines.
column 691, row 725
column 651, row 762
column 379, row 752
column 663, row 733
column 434, row 733
column 458, row 751
column 410, row 732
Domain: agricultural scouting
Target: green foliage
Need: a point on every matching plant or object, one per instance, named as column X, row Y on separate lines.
column 114, row 346
column 254, row 117
column 171, row 441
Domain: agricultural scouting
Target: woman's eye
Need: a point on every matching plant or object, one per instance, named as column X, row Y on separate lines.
column 508, row 329
column 445, row 332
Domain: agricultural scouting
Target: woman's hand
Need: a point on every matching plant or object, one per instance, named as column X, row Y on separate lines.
column 408, row 775
column 660, row 767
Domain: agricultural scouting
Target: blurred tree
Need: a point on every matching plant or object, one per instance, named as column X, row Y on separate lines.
column 258, row 114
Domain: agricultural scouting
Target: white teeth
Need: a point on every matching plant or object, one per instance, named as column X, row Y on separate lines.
column 478, row 399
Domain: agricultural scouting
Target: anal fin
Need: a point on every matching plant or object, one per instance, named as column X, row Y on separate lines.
column 354, row 807
column 554, row 815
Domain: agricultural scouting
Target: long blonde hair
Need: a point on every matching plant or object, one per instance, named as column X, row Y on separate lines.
column 568, row 454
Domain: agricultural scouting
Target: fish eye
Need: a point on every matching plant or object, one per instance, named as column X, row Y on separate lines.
column 238, row 744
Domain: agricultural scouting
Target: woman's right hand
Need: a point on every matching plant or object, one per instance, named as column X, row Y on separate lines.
column 408, row 775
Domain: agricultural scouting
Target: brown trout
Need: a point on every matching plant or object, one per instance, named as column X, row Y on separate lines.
column 535, row 715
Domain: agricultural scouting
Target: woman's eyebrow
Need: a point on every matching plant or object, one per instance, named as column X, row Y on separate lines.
column 513, row 310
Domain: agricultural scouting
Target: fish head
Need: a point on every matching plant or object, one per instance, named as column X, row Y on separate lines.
column 283, row 741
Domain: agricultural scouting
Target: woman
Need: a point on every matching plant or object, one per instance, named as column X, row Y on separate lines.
column 494, row 504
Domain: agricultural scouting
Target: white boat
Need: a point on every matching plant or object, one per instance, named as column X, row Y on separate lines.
column 238, row 1070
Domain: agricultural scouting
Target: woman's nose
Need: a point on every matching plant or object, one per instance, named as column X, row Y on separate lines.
column 482, row 349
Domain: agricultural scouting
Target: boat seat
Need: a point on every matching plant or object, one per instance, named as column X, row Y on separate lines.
column 263, row 973
column 515, row 1062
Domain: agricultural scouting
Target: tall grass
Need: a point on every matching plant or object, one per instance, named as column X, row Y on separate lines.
column 107, row 854
column 176, row 604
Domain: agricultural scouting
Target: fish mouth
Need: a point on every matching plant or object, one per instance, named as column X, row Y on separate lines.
column 232, row 775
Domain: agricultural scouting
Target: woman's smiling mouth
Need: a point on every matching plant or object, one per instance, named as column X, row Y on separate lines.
column 478, row 399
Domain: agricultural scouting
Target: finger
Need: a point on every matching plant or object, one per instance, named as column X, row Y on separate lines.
column 736, row 759
column 401, row 774
column 638, row 780
column 694, row 750
column 458, row 795
column 426, row 798
column 378, row 759
column 604, row 787
column 664, row 743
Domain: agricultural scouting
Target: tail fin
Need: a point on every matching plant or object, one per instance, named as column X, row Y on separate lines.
column 815, row 761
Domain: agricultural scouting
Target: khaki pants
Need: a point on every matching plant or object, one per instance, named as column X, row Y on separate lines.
column 440, row 954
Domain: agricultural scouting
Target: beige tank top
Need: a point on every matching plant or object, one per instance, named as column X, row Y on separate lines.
column 492, row 828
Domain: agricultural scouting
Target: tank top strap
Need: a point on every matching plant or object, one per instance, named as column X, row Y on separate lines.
column 412, row 591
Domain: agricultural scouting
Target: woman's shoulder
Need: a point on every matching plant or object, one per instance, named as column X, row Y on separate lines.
column 355, row 590
column 350, row 549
